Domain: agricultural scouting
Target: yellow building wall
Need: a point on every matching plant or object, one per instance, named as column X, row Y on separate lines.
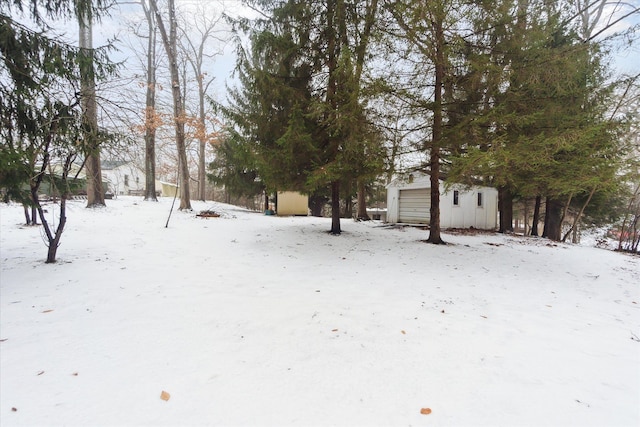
column 168, row 190
column 292, row 203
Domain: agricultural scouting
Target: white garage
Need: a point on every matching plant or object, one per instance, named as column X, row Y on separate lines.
column 409, row 202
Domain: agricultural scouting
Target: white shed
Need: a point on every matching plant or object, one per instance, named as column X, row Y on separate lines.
column 409, row 201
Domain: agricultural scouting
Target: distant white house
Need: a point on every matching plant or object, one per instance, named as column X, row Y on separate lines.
column 123, row 177
column 409, row 201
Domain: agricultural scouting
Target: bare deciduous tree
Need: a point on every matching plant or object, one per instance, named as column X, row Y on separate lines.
column 150, row 109
column 203, row 27
column 169, row 40
column 95, row 192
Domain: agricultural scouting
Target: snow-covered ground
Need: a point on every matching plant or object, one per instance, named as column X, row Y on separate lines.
column 258, row 320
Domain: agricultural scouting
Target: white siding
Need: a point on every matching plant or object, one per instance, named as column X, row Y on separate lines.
column 124, row 179
column 409, row 202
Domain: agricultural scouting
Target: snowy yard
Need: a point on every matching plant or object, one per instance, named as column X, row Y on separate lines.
column 258, row 320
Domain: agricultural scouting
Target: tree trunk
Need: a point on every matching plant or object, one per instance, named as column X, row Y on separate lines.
column 552, row 219
column 202, row 172
column 362, row 202
column 202, row 136
column 525, row 205
column 505, row 205
column 576, row 234
column 628, row 213
column 170, row 44
column 434, row 161
column 26, row 215
column 316, row 203
column 333, row 52
column 576, row 220
column 536, row 216
column 335, row 207
column 150, row 113
column 348, row 202
column 54, row 242
column 566, row 209
column 95, row 192
column 150, row 168
column 636, row 237
column 434, row 212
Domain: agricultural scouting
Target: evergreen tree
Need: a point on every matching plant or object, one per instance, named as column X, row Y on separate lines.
column 427, row 33
column 40, row 106
column 234, row 169
column 300, row 104
column 542, row 131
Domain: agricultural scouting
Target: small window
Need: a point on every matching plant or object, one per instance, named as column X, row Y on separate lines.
column 480, row 200
column 456, row 198
column 126, row 180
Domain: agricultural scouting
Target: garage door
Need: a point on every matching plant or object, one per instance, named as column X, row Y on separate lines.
column 414, row 205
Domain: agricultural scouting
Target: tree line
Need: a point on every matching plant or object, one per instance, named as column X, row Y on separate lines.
column 51, row 97
column 334, row 98
column 515, row 94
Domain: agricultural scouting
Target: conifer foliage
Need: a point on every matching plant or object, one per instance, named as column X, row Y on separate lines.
column 299, row 106
column 537, row 120
column 42, row 130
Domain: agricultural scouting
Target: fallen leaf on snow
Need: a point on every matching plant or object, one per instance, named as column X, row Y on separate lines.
column 47, row 311
column 403, row 332
column 40, row 373
column 164, row 395
column 425, row 411
column 334, row 330
column 14, row 409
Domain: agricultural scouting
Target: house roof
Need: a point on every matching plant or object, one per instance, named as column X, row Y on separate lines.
column 113, row 164
column 404, row 179
column 420, row 180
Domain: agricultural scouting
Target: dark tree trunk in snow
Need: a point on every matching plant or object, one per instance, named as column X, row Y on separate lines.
column 536, row 217
column 505, row 205
column 362, row 202
column 150, row 113
column 348, row 203
column 553, row 219
column 335, row 208
column 95, row 192
column 434, row 161
column 54, row 240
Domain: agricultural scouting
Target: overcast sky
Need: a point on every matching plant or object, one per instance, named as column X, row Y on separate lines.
column 626, row 58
